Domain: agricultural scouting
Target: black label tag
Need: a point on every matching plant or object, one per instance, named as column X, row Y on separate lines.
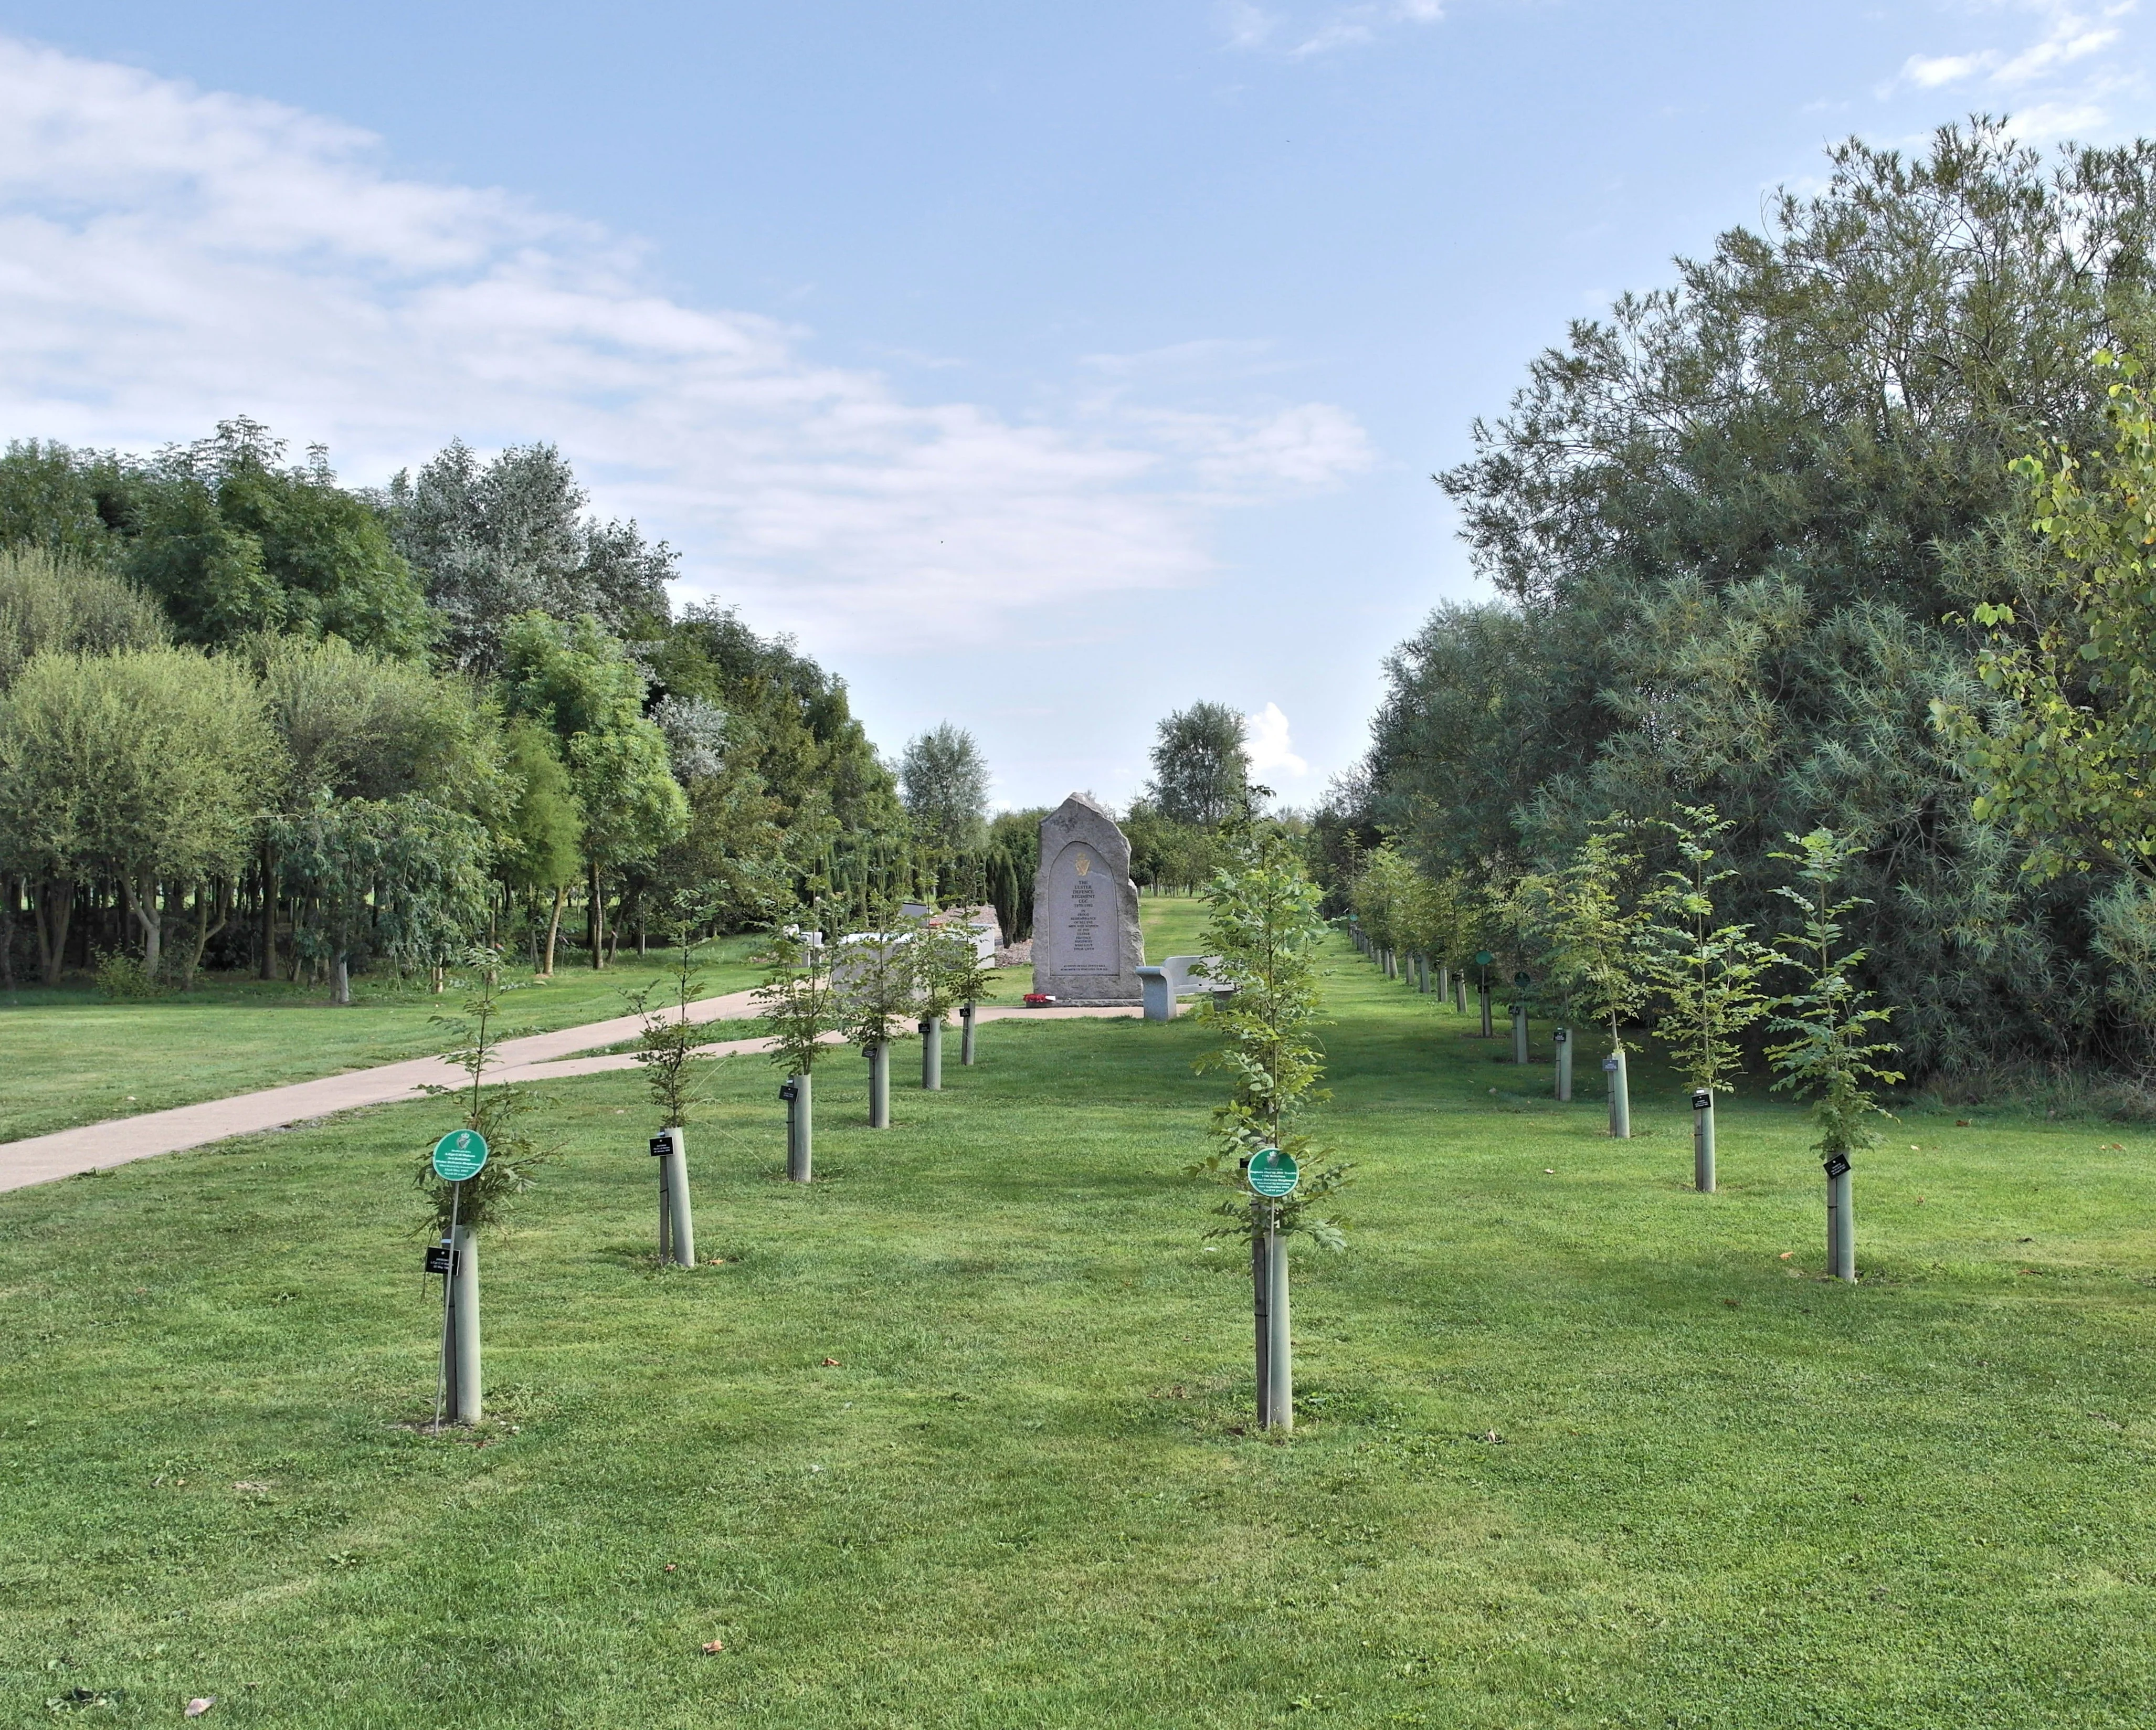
column 661, row 1146
column 1837, row 1164
column 788, row 1091
column 440, row 1259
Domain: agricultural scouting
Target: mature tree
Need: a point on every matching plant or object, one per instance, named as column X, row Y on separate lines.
column 403, row 878
column 74, row 504
column 233, row 544
column 54, row 602
column 945, row 782
column 363, row 726
column 1013, row 863
column 148, row 767
column 1200, row 775
column 1728, row 525
column 493, row 540
column 802, row 803
column 544, row 850
column 579, row 684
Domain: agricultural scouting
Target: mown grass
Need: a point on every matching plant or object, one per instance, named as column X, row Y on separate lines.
column 1576, row 1447
column 72, row 1057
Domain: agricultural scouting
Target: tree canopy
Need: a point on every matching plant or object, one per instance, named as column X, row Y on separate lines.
column 1200, row 775
column 945, row 782
column 1735, row 527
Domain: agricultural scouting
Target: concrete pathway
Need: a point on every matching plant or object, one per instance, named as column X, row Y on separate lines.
column 534, row 1057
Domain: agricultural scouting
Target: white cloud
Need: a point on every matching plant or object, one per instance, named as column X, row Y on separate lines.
column 1929, row 72
column 170, row 256
column 2071, row 38
column 2032, row 74
column 1247, row 26
column 1267, row 745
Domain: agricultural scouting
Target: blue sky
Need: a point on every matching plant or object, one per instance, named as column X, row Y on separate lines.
column 1041, row 368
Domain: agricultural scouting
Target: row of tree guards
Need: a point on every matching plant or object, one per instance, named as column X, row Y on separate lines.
column 863, row 987
column 1611, row 953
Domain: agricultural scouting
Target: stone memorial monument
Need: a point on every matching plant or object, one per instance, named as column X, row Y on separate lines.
column 1086, row 948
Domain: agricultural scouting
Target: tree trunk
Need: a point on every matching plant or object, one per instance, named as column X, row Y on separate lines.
column 142, row 907
column 269, row 911
column 595, row 921
column 341, row 978
column 220, row 896
column 11, row 902
column 554, row 927
column 55, row 905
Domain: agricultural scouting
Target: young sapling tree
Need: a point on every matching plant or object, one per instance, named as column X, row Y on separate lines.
column 1264, row 931
column 457, row 1212
column 877, row 977
column 1709, row 975
column 668, row 1043
column 954, row 974
column 1828, row 1020
column 1594, row 930
column 800, row 1011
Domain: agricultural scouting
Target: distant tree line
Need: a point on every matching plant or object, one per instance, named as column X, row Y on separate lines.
column 250, row 717
column 1759, row 542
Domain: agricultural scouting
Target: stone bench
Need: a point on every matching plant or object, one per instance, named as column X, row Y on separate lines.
column 1172, row 979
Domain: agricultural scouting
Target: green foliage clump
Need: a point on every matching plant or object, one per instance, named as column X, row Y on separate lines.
column 2064, row 761
column 121, row 978
column 946, row 782
column 55, row 604
column 233, row 544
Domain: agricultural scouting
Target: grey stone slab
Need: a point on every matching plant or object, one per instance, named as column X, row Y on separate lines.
column 1086, row 946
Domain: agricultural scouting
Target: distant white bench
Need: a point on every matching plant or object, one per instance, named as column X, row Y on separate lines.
column 1172, row 979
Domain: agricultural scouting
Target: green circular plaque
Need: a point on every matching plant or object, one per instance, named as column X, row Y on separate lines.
column 1273, row 1173
column 1483, row 957
column 459, row 1155
column 1522, row 980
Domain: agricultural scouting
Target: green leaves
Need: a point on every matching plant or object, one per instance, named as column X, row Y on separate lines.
column 1263, row 931
column 2067, row 762
column 796, row 1001
column 670, row 1040
column 1709, row 976
column 1588, row 918
column 498, row 1113
column 1827, row 1020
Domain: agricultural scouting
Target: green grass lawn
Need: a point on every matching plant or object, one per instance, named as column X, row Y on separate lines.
column 72, row 1057
column 1578, row 1446
column 1171, row 925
